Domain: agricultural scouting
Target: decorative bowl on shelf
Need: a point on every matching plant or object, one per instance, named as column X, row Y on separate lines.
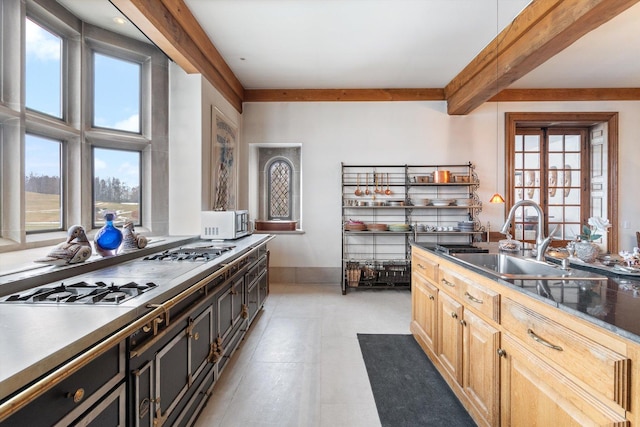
column 464, row 202
column 377, row 227
column 441, row 202
column 399, row 227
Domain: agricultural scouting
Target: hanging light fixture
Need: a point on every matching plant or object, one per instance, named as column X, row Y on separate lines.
column 497, row 197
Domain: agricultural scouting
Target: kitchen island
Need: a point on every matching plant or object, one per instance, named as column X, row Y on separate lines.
column 523, row 352
column 79, row 361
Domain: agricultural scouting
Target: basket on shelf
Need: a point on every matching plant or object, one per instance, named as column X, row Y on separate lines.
column 353, row 274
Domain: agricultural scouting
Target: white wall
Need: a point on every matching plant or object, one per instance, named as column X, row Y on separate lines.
column 191, row 100
column 406, row 133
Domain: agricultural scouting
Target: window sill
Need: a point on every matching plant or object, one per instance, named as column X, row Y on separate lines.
column 300, row 231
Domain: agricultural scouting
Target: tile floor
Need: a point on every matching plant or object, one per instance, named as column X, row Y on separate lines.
column 300, row 364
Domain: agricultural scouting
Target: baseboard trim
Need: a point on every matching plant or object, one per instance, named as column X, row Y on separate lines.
column 305, row 274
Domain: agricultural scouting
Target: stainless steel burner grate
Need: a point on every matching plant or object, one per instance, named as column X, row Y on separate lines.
column 81, row 293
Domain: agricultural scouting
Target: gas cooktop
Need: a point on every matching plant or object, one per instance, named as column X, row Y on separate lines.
column 195, row 253
column 83, row 292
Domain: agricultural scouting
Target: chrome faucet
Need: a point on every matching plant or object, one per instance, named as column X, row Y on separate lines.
column 542, row 242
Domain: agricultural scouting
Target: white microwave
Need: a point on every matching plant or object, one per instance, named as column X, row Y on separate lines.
column 225, row 225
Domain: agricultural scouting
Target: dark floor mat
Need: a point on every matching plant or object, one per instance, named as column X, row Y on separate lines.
column 407, row 388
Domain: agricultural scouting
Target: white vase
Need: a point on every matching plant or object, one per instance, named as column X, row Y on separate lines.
column 586, row 251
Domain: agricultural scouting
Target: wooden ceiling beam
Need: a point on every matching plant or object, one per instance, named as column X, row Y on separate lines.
column 582, row 94
column 540, row 31
column 184, row 41
column 332, row 95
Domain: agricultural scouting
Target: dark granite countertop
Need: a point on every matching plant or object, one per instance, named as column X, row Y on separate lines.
column 612, row 303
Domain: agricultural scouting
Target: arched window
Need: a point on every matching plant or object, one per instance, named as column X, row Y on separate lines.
column 280, row 173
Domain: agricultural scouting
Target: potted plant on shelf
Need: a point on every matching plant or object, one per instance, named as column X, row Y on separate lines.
column 585, row 248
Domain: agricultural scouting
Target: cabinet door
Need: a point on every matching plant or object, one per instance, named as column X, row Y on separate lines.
column 172, row 375
column 239, row 309
column 449, row 340
column 144, row 390
column 481, row 367
column 424, row 310
column 533, row 393
column 200, row 333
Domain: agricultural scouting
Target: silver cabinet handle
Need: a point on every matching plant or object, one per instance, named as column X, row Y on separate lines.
column 431, row 297
column 448, row 283
column 472, row 298
column 543, row 341
column 454, row 315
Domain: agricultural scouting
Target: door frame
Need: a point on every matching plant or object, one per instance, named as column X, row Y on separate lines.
column 512, row 120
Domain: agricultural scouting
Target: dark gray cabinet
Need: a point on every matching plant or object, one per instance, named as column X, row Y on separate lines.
column 169, row 369
column 75, row 398
column 164, row 369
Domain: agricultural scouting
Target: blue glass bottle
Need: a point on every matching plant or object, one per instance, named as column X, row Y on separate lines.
column 108, row 238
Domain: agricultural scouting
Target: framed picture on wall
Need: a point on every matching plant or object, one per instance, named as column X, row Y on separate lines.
column 224, row 163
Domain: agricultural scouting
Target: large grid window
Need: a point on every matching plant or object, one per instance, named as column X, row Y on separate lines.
column 85, row 101
column 280, row 190
column 116, row 185
column 43, row 66
column 116, row 93
column 43, row 184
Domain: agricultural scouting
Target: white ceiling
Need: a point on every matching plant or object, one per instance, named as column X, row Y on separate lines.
column 315, row 44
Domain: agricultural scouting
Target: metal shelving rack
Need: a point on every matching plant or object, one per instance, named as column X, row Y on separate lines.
column 382, row 259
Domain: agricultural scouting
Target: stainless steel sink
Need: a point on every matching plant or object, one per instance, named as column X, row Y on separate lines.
column 511, row 267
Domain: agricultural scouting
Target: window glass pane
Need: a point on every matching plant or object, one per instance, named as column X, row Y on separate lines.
column 573, row 160
column 572, row 214
column 519, row 164
column 556, row 160
column 116, row 103
column 43, row 195
column 116, row 185
column 43, row 85
column 555, row 143
column 531, row 143
column 519, row 142
column 280, row 190
column 555, row 214
column 532, row 161
column 572, row 142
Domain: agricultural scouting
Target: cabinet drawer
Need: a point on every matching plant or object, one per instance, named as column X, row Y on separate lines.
column 481, row 299
column 605, row 371
column 64, row 402
column 424, row 266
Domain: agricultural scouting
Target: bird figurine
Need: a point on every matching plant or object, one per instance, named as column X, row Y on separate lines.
column 130, row 239
column 74, row 250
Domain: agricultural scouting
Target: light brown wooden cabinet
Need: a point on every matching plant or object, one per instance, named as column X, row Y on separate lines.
column 450, row 336
column 481, row 366
column 424, row 310
column 534, row 393
column 447, row 320
column 499, row 350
